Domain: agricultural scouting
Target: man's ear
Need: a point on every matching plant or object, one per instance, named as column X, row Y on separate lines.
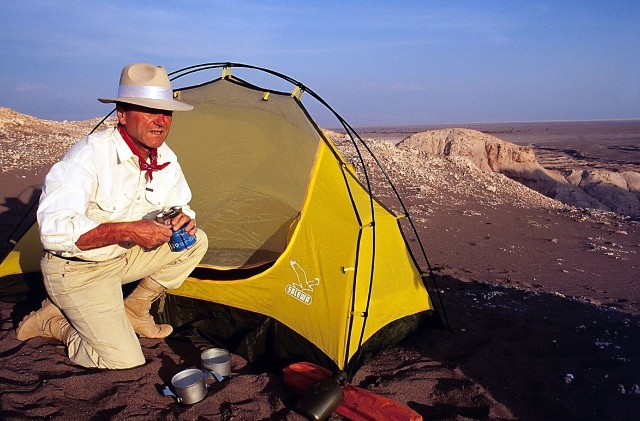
column 121, row 115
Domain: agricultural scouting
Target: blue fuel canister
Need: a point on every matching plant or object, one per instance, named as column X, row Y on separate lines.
column 180, row 239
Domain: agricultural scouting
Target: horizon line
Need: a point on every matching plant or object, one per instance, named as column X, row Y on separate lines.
column 501, row 122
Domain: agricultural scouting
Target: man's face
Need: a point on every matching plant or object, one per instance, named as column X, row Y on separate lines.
column 147, row 127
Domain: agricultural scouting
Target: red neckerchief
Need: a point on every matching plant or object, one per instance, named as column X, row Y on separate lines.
column 144, row 165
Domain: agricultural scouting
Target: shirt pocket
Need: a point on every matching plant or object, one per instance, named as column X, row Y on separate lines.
column 103, row 209
column 106, row 204
column 157, row 197
column 161, row 190
column 110, row 208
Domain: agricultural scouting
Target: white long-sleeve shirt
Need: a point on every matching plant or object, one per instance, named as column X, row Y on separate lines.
column 99, row 180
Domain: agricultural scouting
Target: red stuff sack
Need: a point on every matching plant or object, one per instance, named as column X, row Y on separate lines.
column 358, row 404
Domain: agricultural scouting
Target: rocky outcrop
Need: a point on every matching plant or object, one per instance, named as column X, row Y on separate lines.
column 486, row 152
column 599, row 189
column 437, row 179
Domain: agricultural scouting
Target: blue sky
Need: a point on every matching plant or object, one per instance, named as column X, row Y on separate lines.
column 376, row 62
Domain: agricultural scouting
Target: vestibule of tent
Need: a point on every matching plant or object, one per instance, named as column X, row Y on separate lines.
column 303, row 264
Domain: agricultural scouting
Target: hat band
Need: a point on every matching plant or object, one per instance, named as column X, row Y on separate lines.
column 148, row 92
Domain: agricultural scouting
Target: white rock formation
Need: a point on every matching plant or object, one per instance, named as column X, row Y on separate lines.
column 599, row 189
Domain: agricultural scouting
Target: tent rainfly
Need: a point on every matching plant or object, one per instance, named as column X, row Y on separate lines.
column 304, row 264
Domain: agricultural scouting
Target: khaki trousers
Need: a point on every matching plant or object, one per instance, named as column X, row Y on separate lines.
column 90, row 296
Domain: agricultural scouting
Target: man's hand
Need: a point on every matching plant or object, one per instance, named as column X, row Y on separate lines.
column 183, row 220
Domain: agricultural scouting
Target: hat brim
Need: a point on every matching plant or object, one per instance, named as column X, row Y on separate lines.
column 157, row 104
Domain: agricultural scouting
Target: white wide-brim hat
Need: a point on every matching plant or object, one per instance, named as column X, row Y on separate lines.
column 148, row 86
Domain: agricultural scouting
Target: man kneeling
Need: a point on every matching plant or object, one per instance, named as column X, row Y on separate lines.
column 98, row 228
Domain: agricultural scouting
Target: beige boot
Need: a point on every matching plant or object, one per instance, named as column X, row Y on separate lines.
column 137, row 306
column 48, row 322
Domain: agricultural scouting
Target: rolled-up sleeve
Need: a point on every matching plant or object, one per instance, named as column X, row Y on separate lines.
column 63, row 204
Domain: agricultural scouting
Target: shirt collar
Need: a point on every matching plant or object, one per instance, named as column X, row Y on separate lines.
column 123, row 151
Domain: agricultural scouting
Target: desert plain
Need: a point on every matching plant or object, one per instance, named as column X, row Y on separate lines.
column 540, row 298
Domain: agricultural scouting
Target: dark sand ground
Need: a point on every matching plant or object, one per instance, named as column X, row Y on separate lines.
column 531, row 296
